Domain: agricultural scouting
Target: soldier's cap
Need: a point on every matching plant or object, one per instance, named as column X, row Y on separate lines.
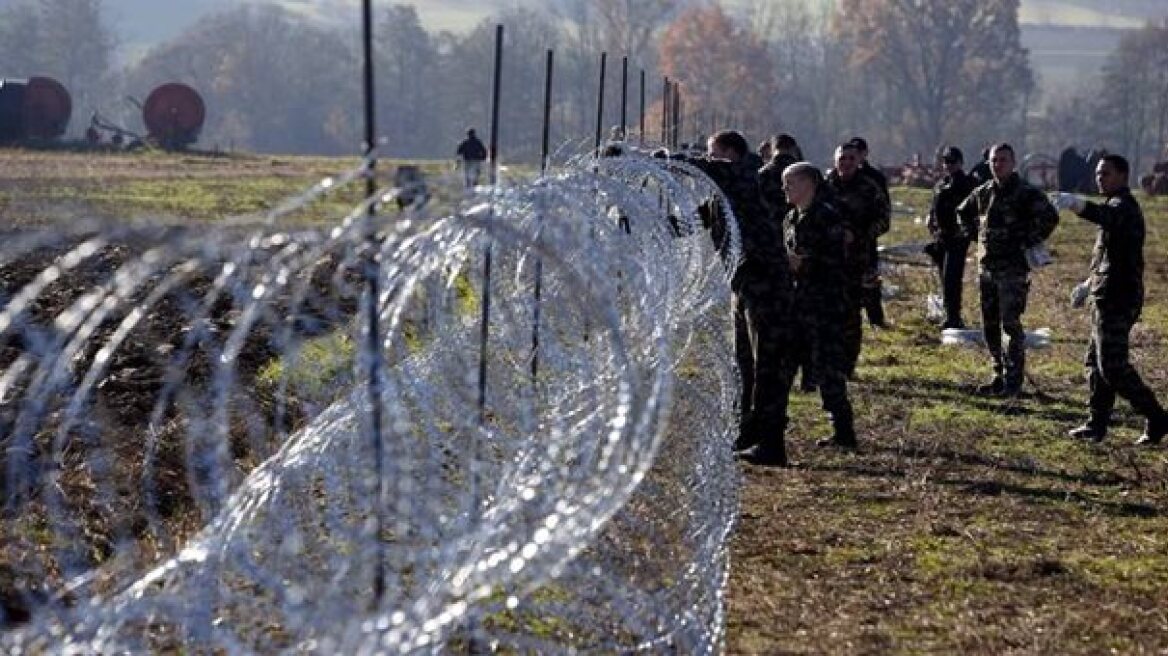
column 859, row 142
column 952, row 154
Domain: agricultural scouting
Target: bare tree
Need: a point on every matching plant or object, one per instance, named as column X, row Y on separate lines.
column 952, row 64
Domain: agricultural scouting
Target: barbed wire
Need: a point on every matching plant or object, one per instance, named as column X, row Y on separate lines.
column 182, row 427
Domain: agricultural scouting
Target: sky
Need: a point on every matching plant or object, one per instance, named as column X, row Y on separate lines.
column 148, row 21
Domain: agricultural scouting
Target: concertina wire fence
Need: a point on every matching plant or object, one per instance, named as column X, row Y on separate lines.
column 188, row 462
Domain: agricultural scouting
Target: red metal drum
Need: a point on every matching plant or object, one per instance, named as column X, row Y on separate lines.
column 47, row 108
column 174, row 115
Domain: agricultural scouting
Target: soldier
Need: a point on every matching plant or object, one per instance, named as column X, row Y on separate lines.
column 950, row 244
column 871, row 293
column 770, row 179
column 866, row 214
column 785, row 152
column 815, row 235
column 1006, row 216
column 761, row 287
column 981, row 172
column 472, row 154
column 1117, row 292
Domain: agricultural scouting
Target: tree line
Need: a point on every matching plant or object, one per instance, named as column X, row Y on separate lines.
column 907, row 75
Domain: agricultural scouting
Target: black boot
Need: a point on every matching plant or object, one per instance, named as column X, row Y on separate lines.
column 1091, row 431
column 772, row 453
column 843, row 431
column 995, row 387
column 1155, row 430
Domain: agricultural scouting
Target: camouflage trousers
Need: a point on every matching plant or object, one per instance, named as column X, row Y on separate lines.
column 1109, row 371
column 853, row 324
column 761, row 321
column 871, row 295
column 1003, row 300
column 818, row 337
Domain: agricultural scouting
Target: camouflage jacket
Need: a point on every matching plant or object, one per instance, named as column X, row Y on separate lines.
column 770, row 182
column 947, row 195
column 763, row 252
column 875, row 175
column 1117, row 263
column 816, row 235
column 1006, row 219
column 864, row 206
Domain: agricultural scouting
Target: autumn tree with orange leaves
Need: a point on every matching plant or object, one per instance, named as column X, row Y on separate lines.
column 953, row 64
column 724, row 70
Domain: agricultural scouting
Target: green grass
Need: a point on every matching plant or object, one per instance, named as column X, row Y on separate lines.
column 965, row 524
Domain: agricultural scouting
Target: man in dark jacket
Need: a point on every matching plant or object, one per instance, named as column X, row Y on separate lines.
column 1007, row 216
column 472, row 153
column 1117, row 293
column 761, row 287
column 866, row 214
column 950, row 245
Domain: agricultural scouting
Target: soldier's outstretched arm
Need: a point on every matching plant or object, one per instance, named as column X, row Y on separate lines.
column 1112, row 215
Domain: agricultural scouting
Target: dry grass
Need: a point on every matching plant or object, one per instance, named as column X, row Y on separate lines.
column 965, row 525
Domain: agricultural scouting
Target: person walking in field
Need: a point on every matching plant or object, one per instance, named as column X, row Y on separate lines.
column 866, row 214
column 816, row 249
column 950, row 245
column 1116, row 289
column 471, row 153
column 1006, row 216
column 871, row 294
column 760, row 295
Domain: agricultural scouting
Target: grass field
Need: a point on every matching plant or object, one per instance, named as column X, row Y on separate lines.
column 964, row 524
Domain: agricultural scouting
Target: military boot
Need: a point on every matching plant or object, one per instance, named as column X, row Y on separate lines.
column 770, row 453
column 1091, row 431
column 843, row 431
column 995, row 387
column 1154, row 432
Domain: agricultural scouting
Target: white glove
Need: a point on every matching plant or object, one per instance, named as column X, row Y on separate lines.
column 1080, row 293
column 1072, row 202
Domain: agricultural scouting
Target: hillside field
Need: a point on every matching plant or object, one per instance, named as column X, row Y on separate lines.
column 964, row 524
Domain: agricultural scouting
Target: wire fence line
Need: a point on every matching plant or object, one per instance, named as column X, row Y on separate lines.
column 182, row 421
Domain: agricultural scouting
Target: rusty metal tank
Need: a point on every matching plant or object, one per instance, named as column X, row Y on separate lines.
column 38, row 108
column 174, row 115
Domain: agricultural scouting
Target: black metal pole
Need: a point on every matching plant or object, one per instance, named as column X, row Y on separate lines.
column 545, row 146
column 675, row 124
column 493, row 176
column 372, row 269
column 665, row 112
column 624, row 97
column 600, row 104
column 642, row 120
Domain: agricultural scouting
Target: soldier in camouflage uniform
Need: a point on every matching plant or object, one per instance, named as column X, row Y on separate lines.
column 1117, row 293
column 866, row 213
column 871, row 295
column 785, row 152
column 815, row 235
column 761, row 286
column 1006, row 216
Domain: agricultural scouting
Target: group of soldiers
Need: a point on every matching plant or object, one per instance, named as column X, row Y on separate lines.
column 808, row 272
